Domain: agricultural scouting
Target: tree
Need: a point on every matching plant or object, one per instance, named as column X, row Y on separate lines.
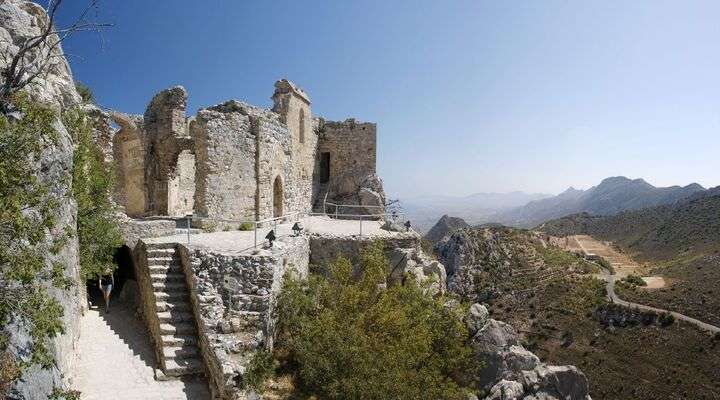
column 362, row 339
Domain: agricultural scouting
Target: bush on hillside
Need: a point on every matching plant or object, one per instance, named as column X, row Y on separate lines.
column 359, row 339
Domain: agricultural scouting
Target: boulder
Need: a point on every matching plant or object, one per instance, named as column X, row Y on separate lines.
column 512, row 372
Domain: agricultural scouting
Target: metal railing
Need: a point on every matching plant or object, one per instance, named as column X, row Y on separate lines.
column 256, row 223
column 296, row 217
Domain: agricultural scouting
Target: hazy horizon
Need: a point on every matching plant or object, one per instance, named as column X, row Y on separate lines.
column 468, row 96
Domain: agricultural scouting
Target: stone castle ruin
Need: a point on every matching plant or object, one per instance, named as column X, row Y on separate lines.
column 238, row 162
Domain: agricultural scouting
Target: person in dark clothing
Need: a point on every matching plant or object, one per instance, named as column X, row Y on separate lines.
column 106, row 282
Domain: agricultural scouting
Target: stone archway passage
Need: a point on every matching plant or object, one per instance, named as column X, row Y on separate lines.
column 277, row 198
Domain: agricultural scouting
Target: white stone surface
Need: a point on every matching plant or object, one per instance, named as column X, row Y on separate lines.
column 116, row 361
column 236, row 242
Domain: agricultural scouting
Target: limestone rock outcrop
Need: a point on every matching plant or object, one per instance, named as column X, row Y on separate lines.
column 511, row 372
column 20, row 20
column 412, row 262
column 445, row 225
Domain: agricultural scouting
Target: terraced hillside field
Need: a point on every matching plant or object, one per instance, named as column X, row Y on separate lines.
column 551, row 296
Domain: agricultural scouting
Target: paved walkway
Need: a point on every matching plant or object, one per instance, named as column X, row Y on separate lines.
column 235, row 241
column 117, row 361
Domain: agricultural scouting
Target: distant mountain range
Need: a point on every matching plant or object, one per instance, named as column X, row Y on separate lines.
column 611, row 196
column 425, row 211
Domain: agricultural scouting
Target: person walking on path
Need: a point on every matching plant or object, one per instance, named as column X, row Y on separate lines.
column 106, row 282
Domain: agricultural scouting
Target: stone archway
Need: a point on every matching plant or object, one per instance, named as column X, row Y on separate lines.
column 277, row 197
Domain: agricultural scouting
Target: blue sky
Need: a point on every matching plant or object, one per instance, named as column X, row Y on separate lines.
column 469, row 96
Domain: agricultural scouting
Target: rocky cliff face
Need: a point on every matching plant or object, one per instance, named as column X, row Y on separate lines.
column 512, row 372
column 20, row 20
column 445, row 225
column 482, row 265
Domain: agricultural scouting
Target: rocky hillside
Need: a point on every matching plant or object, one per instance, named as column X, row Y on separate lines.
column 653, row 233
column 611, row 196
column 561, row 314
column 681, row 241
column 445, row 225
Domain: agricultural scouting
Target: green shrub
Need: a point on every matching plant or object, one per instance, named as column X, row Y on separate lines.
column 27, row 218
column 85, row 92
column 97, row 229
column 634, row 280
column 666, row 319
column 246, row 226
column 356, row 338
column 259, row 370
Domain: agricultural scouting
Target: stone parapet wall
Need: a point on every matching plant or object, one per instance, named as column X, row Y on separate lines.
column 325, row 249
column 353, row 179
column 147, row 296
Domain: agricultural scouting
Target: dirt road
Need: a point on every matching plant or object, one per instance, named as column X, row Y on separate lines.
column 624, row 266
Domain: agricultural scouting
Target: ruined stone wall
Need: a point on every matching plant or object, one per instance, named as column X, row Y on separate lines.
column 325, row 249
column 225, row 163
column 353, row 178
column 233, row 298
column 129, row 159
column 293, row 106
column 167, row 136
column 181, row 185
column 274, row 163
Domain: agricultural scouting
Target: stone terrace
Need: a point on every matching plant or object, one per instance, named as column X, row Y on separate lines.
column 242, row 242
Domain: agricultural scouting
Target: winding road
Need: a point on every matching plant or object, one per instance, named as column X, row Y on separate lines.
column 610, row 286
column 609, row 278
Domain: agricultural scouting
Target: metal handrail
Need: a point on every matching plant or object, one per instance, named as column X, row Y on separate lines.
column 255, row 223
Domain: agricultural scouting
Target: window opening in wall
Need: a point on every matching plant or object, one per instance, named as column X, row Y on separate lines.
column 324, row 167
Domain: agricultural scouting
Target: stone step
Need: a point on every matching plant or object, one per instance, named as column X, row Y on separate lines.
column 175, row 367
column 172, row 296
column 151, row 253
column 179, row 340
column 161, row 261
column 167, row 277
column 177, row 328
column 165, row 269
column 175, row 316
column 174, row 306
column 155, row 246
column 180, row 352
column 169, row 286
column 183, row 231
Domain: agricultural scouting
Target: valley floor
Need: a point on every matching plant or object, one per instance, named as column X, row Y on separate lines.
column 624, row 266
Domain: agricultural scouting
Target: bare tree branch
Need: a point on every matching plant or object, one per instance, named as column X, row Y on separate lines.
column 35, row 55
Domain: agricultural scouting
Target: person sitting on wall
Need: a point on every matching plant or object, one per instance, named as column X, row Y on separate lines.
column 105, row 283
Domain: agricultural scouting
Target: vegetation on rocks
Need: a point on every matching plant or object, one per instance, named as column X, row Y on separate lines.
column 97, row 229
column 356, row 338
column 556, row 312
column 27, row 208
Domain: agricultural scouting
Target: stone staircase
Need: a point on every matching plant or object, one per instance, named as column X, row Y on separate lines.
column 177, row 344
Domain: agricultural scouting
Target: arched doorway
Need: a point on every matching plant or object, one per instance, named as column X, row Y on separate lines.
column 277, row 198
